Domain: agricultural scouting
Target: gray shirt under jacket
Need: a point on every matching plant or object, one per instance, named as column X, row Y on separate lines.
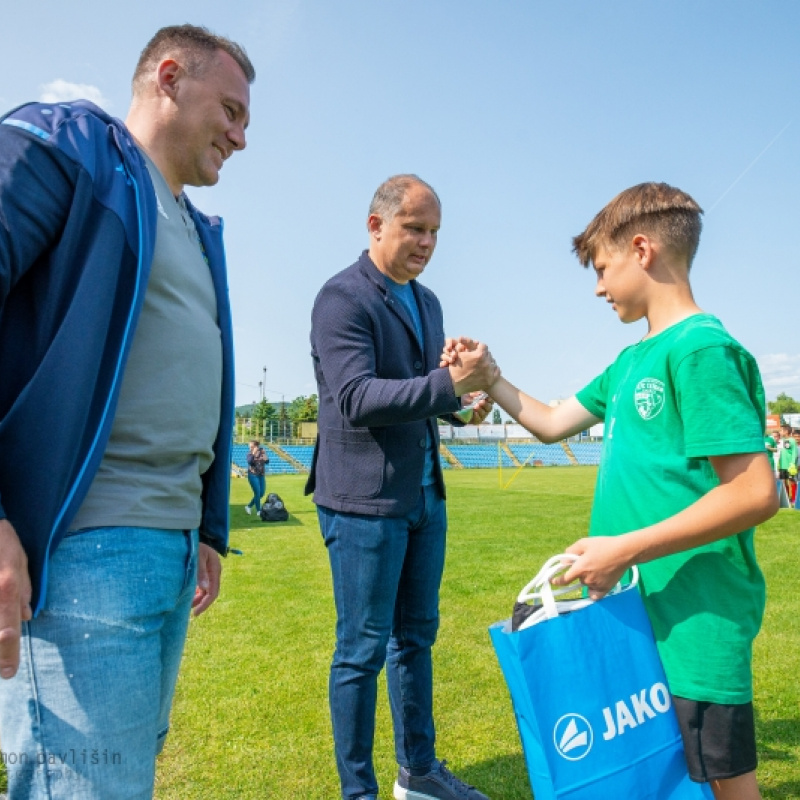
column 168, row 413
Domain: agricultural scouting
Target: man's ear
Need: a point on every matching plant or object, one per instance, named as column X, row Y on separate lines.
column 645, row 249
column 374, row 224
column 167, row 75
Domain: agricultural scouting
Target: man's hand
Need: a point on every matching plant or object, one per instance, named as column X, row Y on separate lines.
column 470, row 363
column 15, row 597
column 481, row 408
column 209, row 570
column 602, row 561
column 450, row 351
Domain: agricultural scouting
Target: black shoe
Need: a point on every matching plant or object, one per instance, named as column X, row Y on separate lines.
column 438, row 784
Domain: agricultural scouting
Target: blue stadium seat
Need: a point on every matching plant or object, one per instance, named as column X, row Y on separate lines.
column 587, row 453
column 239, row 454
column 300, row 452
column 479, row 456
column 551, row 455
column 279, row 466
column 276, row 466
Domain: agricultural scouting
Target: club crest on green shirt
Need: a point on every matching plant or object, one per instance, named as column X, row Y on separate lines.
column 649, row 397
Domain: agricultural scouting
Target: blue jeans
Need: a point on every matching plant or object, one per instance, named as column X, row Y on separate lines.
column 386, row 577
column 258, row 483
column 88, row 710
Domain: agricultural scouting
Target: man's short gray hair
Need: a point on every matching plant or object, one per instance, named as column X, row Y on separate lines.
column 391, row 193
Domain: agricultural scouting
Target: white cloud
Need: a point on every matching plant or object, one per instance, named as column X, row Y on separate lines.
column 59, row 91
column 780, row 373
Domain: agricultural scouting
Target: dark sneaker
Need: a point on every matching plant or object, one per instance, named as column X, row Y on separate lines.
column 438, row 784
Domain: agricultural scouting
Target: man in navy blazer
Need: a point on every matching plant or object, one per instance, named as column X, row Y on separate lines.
column 376, row 339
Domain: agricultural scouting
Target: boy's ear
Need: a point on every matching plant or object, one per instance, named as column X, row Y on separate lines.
column 645, row 249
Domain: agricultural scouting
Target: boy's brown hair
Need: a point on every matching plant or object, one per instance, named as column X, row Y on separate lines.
column 654, row 209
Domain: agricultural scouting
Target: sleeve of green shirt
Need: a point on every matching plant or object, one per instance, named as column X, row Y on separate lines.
column 594, row 396
column 721, row 402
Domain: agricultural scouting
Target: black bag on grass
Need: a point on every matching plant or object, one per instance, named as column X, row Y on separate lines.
column 273, row 509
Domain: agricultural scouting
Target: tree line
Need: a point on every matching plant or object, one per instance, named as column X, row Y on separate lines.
column 306, row 409
column 783, row 404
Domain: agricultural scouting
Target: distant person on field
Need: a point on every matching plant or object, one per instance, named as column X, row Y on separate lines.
column 787, row 459
column 257, row 460
column 377, row 480
column 683, row 478
column 114, row 310
column 771, row 444
column 796, row 437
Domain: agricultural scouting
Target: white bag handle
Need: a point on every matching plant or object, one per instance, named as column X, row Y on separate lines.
column 540, row 588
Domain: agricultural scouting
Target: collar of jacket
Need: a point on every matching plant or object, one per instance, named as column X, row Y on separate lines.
column 373, row 274
column 370, row 271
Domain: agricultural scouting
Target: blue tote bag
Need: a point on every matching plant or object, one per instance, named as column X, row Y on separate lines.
column 590, row 696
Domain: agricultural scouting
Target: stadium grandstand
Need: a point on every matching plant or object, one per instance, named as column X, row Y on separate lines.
column 280, row 462
column 468, row 447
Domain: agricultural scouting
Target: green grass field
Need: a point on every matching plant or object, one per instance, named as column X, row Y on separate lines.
column 251, row 718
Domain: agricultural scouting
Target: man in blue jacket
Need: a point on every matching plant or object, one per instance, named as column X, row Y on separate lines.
column 376, row 338
column 113, row 310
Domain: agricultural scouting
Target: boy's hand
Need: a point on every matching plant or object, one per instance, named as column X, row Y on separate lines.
column 470, row 364
column 602, row 561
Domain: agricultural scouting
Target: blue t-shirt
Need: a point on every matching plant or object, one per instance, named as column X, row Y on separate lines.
column 404, row 292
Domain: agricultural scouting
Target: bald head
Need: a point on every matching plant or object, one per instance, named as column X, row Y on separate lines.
column 403, row 225
column 389, row 196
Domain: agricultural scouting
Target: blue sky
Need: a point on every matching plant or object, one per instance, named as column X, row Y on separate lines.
column 526, row 116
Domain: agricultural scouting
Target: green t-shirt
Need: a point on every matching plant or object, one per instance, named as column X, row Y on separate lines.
column 668, row 403
column 772, row 451
column 787, row 453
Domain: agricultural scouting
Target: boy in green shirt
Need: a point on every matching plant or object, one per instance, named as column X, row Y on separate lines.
column 772, row 447
column 787, row 459
column 684, row 476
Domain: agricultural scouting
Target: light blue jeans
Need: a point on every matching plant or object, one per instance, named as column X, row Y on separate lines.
column 88, row 710
column 386, row 577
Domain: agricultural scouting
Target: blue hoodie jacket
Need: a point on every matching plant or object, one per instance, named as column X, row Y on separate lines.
column 77, row 233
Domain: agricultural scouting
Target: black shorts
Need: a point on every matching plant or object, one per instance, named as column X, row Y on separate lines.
column 784, row 475
column 719, row 740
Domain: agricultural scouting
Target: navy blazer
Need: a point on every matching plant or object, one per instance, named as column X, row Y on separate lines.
column 379, row 393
